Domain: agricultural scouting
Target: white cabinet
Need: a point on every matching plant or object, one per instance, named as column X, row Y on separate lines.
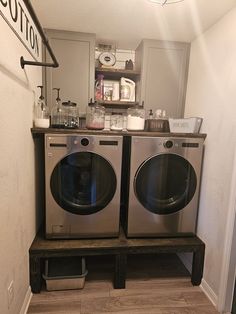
column 75, row 74
column 163, row 79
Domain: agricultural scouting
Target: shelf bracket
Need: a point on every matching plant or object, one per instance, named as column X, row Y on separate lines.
column 24, row 62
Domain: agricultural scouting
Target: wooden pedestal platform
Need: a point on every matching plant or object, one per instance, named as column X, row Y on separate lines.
column 119, row 247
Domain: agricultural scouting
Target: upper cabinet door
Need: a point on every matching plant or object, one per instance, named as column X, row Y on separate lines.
column 75, row 74
column 164, row 70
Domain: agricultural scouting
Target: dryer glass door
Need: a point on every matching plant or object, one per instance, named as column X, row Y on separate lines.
column 83, row 183
column 165, row 183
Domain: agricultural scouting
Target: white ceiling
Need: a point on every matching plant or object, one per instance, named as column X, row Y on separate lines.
column 126, row 22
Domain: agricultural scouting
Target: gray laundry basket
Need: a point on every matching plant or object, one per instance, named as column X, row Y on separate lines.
column 64, row 273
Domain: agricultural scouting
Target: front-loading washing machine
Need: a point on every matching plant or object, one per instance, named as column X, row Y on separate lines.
column 163, row 186
column 82, row 182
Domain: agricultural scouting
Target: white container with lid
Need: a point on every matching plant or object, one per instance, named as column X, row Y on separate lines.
column 135, row 118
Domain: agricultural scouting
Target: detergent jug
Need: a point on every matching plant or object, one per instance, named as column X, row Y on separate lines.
column 127, row 89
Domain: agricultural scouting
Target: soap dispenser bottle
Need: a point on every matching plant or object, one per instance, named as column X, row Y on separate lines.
column 41, row 112
column 57, row 112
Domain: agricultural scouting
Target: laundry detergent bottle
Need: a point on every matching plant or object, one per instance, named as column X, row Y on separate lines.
column 127, row 89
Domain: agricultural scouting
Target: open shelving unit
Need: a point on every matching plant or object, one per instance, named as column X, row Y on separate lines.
column 116, row 74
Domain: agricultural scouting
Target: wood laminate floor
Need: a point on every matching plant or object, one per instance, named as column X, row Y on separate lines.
column 156, row 284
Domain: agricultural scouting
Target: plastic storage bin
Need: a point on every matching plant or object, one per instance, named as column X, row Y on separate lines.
column 64, row 273
column 187, row 125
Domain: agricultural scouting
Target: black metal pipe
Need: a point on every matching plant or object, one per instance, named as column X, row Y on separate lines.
column 23, row 62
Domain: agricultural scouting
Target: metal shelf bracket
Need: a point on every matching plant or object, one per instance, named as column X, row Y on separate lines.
column 24, row 62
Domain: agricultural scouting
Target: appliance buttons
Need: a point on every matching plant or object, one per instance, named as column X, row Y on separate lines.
column 84, row 141
column 168, row 144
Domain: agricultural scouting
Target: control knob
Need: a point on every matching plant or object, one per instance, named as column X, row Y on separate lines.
column 84, row 141
column 168, row 144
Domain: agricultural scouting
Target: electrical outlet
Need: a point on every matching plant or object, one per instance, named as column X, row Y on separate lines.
column 10, row 293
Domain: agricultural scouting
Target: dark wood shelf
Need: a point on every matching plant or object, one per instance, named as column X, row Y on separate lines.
column 120, row 247
column 111, row 73
column 117, row 103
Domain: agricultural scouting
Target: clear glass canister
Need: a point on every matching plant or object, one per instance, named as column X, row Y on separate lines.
column 57, row 113
column 71, row 114
column 41, row 113
column 135, row 118
column 95, row 116
column 116, row 123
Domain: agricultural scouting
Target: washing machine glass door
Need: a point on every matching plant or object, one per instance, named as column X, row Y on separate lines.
column 83, row 183
column 165, row 183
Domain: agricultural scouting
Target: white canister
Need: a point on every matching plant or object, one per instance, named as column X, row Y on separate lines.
column 135, row 123
column 135, row 118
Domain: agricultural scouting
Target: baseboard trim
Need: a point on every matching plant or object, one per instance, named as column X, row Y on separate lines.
column 26, row 302
column 209, row 293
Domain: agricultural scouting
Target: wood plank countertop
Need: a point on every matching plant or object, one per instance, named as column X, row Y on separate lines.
column 38, row 131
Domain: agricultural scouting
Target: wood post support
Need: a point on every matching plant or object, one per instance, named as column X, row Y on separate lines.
column 120, row 271
column 197, row 266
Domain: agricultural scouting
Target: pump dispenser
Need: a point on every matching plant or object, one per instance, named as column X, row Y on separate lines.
column 41, row 112
column 57, row 112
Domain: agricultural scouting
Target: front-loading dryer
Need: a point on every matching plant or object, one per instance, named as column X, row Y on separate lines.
column 82, row 181
column 163, row 186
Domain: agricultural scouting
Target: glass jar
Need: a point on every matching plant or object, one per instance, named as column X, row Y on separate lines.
column 41, row 113
column 95, row 116
column 57, row 113
column 116, row 123
column 135, row 118
column 71, row 114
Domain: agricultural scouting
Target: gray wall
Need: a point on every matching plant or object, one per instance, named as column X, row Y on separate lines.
column 211, row 94
column 17, row 171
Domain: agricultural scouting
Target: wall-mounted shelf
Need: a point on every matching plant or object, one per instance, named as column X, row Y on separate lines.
column 111, row 73
column 125, row 104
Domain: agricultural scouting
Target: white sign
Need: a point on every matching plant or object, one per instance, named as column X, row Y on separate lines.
column 18, row 18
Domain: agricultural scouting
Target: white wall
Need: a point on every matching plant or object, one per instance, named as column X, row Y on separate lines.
column 17, row 178
column 211, row 94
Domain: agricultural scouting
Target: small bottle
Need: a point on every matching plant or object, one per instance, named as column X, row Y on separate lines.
column 150, row 114
column 41, row 112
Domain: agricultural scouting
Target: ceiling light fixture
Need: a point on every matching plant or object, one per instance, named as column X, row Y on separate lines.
column 164, row 2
